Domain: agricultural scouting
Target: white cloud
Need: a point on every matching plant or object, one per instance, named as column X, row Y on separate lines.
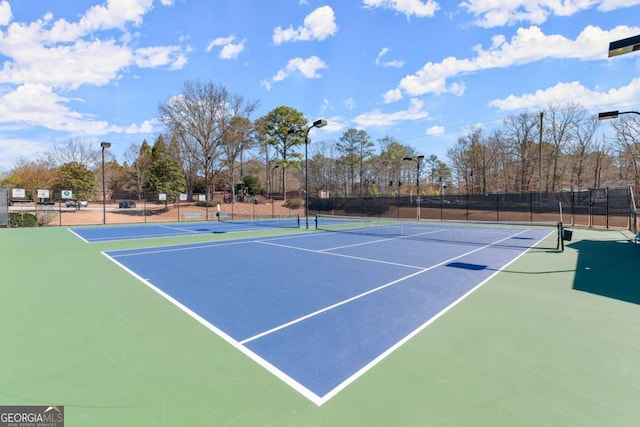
column 232, row 50
column 609, row 5
column 575, row 91
column 379, row 118
column 392, row 95
column 393, row 64
column 266, row 84
column 410, row 8
column 526, row 46
column 115, row 15
column 146, row 127
column 220, row 41
column 46, row 58
column 55, row 54
column 229, row 49
column 5, row 12
column 435, row 130
column 492, row 13
column 15, row 148
column 157, row 56
column 39, row 105
column 349, row 103
column 307, row 67
column 334, row 124
column 318, row 25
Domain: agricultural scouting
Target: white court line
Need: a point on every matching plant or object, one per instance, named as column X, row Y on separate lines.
column 187, row 247
column 179, row 229
column 311, row 396
column 363, row 294
column 322, row 251
column 381, row 240
column 416, row 331
column 317, row 400
column 78, row 236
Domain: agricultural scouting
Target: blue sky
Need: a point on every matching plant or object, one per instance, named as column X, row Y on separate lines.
column 422, row 71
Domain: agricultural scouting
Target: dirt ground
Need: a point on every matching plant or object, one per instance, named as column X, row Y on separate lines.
column 57, row 216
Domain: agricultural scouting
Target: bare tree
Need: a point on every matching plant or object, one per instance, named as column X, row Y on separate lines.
column 521, row 131
column 200, row 116
column 562, row 119
column 581, row 144
column 627, row 144
column 77, row 151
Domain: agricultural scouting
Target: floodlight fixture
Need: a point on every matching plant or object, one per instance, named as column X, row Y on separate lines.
column 320, row 123
column 614, row 114
column 620, row 47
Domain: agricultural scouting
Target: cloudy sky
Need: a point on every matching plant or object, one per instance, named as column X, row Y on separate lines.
column 422, row 71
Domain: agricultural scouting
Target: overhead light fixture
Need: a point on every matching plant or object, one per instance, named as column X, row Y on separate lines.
column 620, row 47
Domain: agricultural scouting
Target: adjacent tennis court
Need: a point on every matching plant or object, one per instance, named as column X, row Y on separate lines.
column 226, row 224
column 352, row 297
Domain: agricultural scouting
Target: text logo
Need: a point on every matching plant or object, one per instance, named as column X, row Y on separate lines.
column 31, row 416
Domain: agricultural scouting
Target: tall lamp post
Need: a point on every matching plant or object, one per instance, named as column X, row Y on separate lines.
column 271, row 188
column 614, row 115
column 320, row 123
column 417, row 160
column 443, row 185
column 104, row 145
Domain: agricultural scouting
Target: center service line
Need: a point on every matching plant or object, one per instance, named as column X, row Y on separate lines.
column 363, row 294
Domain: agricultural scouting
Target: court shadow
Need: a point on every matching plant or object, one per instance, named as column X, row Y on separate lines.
column 608, row 268
column 467, row 266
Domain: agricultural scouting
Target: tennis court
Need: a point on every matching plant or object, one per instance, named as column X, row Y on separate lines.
column 357, row 295
column 237, row 223
column 375, row 326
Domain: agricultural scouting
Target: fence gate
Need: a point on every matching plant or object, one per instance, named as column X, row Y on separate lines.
column 4, row 207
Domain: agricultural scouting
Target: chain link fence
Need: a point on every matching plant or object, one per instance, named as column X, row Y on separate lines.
column 42, row 207
column 602, row 208
column 605, row 208
column 4, row 207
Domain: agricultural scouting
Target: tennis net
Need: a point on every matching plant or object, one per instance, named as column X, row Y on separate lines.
column 521, row 235
column 276, row 221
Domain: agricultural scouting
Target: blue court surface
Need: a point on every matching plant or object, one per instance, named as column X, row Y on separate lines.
column 319, row 310
column 142, row 231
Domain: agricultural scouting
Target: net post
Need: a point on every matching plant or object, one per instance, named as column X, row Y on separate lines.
column 560, row 244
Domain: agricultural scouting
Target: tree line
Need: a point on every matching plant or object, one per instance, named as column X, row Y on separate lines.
column 212, row 143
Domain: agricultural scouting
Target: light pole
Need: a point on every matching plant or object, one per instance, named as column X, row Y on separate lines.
column 417, row 160
column 614, row 115
column 317, row 124
column 104, row 145
column 271, row 188
column 443, row 185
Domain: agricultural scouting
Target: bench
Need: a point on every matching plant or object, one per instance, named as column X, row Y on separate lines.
column 192, row 215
